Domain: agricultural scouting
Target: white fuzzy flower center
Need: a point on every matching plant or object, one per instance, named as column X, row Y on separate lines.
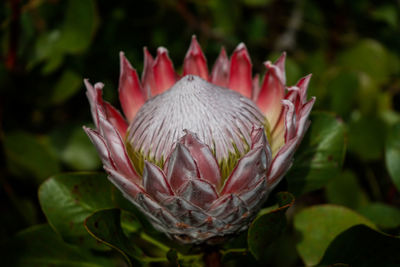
column 221, row 118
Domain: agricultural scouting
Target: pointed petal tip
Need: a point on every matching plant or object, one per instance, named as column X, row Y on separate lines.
column 241, row 46
column 98, row 85
column 86, row 129
column 268, row 64
column 124, row 62
column 147, row 53
column 162, row 50
column 223, row 51
column 163, row 70
column 88, row 85
column 304, row 81
column 130, row 90
column 240, row 73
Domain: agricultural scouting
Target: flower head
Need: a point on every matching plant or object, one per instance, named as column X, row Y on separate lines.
column 198, row 153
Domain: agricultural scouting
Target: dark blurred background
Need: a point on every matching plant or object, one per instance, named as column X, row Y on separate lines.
column 47, row 47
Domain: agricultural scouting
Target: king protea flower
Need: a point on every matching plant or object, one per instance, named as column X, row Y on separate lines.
column 198, row 153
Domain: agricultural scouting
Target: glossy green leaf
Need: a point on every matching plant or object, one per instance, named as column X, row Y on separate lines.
column 392, row 154
column 41, row 246
column 27, row 156
column 67, row 199
column 345, row 190
column 383, row 215
column 68, row 84
column 105, row 226
column 320, row 155
column 319, row 225
column 363, row 246
column 265, row 229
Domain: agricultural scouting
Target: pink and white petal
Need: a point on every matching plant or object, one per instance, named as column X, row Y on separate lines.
column 130, row 91
column 283, row 159
column 178, row 206
column 116, row 119
column 116, row 147
column 290, row 120
column 149, row 205
column 280, row 63
column 101, row 146
column 293, row 96
column 281, row 162
column 248, row 171
column 255, row 195
column 181, row 167
column 278, row 135
column 272, row 91
column 240, row 72
column 304, row 113
column 195, row 62
column 256, row 87
column 303, row 85
column 155, row 183
column 148, row 81
column 224, row 205
column 258, row 138
column 126, row 185
column 205, row 161
column 198, row 192
column 164, row 73
column 220, row 70
column 228, row 209
column 94, row 95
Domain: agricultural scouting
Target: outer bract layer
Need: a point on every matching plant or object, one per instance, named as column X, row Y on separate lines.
column 199, row 153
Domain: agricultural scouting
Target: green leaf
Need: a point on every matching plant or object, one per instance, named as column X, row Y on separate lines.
column 363, row 246
column 384, row 216
column 319, row 225
column 67, row 199
column 26, row 155
column 79, row 152
column 268, row 227
column 342, row 89
column 74, row 148
column 345, row 190
column 320, row 155
column 73, row 36
column 392, row 154
column 366, row 137
column 40, row 246
column 79, row 26
column 367, row 56
column 68, row 84
column 105, row 226
column 388, row 14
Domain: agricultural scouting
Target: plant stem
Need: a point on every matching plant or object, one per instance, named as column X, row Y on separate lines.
column 155, row 242
column 212, row 257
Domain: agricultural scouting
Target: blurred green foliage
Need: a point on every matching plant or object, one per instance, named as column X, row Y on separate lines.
column 353, row 50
